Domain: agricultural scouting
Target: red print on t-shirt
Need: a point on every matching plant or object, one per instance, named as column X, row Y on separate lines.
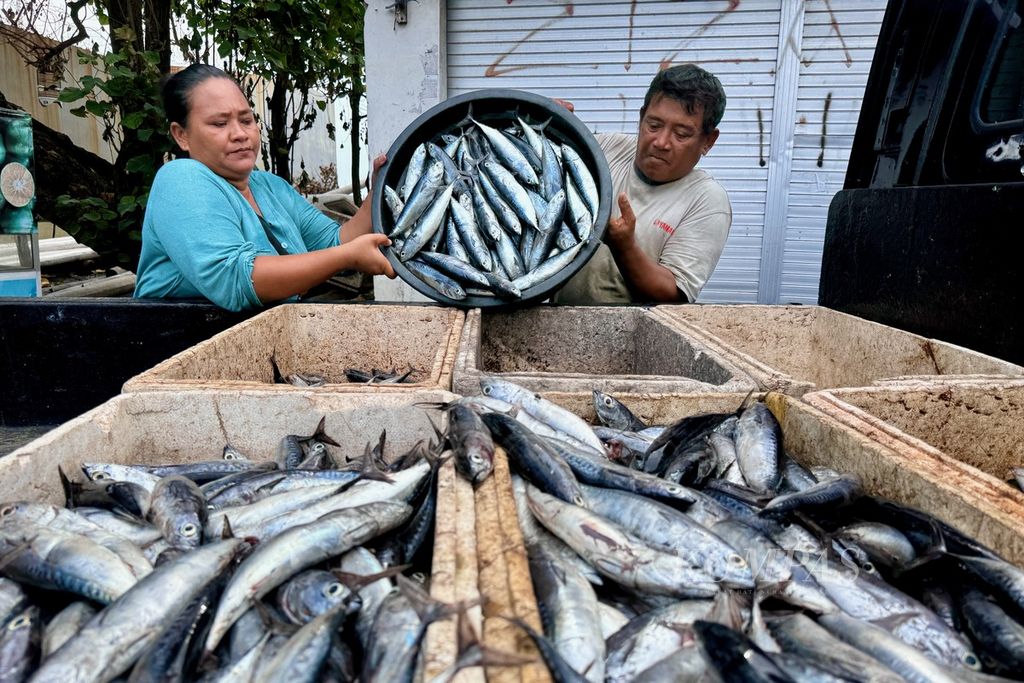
column 664, row 226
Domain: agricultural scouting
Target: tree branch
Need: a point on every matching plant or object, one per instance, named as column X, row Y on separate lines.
column 74, row 7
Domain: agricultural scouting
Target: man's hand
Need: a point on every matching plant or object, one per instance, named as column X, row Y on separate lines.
column 647, row 279
column 621, row 229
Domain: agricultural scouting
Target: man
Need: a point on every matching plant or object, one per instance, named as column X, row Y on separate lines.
column 671, row 221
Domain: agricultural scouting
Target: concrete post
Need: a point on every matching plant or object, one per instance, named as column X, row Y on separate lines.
column 405, row 76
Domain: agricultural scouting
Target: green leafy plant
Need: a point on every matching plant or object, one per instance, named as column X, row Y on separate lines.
column 126, row 98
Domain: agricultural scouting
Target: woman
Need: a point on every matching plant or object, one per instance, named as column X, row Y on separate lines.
column 216, row 227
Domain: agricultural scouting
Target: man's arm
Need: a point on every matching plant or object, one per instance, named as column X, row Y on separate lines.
column 647, row 279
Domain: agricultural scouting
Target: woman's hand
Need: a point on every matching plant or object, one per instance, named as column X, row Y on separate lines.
column 364, row 254
column 361, row 222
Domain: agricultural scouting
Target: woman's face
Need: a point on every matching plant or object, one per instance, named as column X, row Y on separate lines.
column 220, row 131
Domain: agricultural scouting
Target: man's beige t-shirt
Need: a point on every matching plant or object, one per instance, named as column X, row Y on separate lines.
column 682, row 225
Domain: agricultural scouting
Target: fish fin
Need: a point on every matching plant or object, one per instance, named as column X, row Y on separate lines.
column 320, row 434
column 369, row 468
column 278, row 377
column 428, row 609
column 272, row 621
column 226, row 531
column 468, row 120
column 377, row 452
column 727, row 608
column 13, row 553
column 356, row 581
column 70, row 489
column 745, row 403
column 436, row 405
column 472, row 652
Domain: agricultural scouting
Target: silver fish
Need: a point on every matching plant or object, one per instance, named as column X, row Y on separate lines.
column 577, row 169
column 413, row 172
column 427, row 225
column 302, row 657
column 296, row 549
column 66, row 624
column 111, row 641
column 507, row 217
column 510, row 190
column 178, row 507
column 548, row 268
column 550, row 413
column 615, row 555
column 420, row 200
column 800, row 635
column 509, row 154
column 63, row 560
column 579, row 216
column 668, row 529
column 438, row 280
column 570, row 605
column 75, row 523
column 465, row 222
column 758, row 444
column 905, row 660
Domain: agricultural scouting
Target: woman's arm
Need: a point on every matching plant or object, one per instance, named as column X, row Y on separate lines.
column 362, row 222
column 279, row 277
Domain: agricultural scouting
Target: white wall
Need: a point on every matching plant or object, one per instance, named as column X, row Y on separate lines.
column 405, row 76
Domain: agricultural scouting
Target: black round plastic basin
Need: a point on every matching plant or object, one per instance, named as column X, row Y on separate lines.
column 497, row 107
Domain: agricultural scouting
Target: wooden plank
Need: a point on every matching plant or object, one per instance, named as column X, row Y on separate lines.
column 497, row 633
column 466, row 570
column 440, row 643
column 118, row 285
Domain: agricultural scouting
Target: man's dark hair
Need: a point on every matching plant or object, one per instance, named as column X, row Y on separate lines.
column 178, row 87
column 694, row 88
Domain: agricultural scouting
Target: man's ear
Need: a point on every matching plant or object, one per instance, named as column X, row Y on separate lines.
column 710, row 140
column 180, row 135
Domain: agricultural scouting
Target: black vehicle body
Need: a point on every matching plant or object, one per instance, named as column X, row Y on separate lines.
column 928, row 232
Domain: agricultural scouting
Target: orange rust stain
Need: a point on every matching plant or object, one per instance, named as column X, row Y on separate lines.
column 632, row 17
column 493, row 70
column 667, row 61
column 839, row 33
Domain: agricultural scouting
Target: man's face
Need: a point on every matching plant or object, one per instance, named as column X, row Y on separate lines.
column 671, row 141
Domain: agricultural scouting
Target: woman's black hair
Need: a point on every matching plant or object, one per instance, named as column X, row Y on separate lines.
column 692, row 87
column 177, row 88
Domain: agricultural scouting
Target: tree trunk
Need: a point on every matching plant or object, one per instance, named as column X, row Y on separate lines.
column 278, row 131
column 158, row 31
column 355, row 96
column 61, row 167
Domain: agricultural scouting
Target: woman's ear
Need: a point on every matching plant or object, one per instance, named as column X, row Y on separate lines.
column 180, row 135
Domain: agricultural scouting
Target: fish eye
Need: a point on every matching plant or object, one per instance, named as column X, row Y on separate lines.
column 971, row 661
column 737, row 561
column 608, row 401
column 868, row 567
column 230, row 456
column 189, row 529
column 100, row 476
column 19, row 621
column 333, row 589
column 6, row 511
column 487, row 391
column 476, row 458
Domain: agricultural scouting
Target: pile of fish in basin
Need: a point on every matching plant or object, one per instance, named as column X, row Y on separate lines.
column 231, row 569
column 492, row 197
column 699, row 550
